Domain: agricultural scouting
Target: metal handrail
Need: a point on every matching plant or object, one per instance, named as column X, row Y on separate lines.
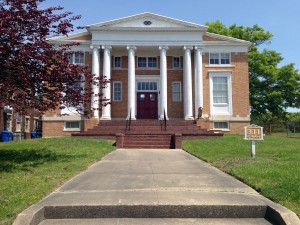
column 163, row 122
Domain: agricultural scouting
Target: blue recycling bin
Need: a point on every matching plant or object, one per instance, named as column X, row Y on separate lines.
column 6, row 136
column 36, row 134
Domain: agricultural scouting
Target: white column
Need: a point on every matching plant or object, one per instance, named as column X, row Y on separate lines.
column 187, row 82
column 106, row 110
column 163, row 81
column 131, row 83
column 96, row 71
column 198, row 79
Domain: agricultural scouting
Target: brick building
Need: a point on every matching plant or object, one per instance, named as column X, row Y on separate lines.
column 160, row 66
column 20, row 125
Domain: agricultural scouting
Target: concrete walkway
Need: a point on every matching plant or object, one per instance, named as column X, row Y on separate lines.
column 161, row 186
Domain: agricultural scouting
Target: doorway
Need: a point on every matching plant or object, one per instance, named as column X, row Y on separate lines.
column 147, row 105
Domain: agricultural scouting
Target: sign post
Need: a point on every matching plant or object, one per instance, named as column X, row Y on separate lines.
column 253, row 133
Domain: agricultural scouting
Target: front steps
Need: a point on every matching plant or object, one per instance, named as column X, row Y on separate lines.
column 148, row 133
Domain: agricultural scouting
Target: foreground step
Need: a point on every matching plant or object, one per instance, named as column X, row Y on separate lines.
column 151, row 221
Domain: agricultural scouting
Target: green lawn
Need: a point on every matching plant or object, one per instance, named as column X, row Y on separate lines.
column 274, row 172
column 31, row 169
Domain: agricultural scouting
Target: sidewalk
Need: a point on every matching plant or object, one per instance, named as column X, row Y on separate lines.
column 161, row 186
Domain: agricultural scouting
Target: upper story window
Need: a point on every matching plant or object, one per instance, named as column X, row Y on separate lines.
column 176, row 62
column 147, row 62
column 76, row 58
column 117, row 62
column 219, row 58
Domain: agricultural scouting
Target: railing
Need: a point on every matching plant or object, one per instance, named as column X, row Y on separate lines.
column 128, row 122
column 163, row 123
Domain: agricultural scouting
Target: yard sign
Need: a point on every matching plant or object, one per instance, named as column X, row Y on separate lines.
column 253, row 133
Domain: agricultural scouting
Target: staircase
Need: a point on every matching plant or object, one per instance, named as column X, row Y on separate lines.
column 148, row 133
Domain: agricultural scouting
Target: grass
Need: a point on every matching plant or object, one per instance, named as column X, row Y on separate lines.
column 31, row 169
column 274, row 172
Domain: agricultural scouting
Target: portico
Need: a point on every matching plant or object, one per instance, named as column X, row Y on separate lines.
column 162, row 82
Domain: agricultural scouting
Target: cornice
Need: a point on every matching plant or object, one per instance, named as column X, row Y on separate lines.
column 146, row 29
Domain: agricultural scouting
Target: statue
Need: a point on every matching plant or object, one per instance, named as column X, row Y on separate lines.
column 200, row 112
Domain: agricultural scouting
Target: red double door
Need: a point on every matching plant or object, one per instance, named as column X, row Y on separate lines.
column 147, row 105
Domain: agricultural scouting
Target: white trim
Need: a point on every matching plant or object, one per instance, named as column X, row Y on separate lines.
column 185, row 24
column 180, row 91
column 151, row 78
column 147, row 63
column 72, row 129
column 219, row 58
column 114, row 62
column 223, row 129
column 179, row 67
column 225, row 108
column 117, row 82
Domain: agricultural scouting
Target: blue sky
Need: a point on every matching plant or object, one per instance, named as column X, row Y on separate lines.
column 279, row 17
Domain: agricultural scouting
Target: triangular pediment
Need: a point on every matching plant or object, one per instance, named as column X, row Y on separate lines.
column 147, row 21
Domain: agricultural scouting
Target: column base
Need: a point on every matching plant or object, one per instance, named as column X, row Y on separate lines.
column 132, row 117
column 161, row 117
column 189, row 117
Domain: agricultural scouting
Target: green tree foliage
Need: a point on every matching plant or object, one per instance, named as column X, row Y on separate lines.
column 272, row 88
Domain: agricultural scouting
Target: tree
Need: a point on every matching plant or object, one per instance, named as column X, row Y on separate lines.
column 33, row 72
column 272, row 89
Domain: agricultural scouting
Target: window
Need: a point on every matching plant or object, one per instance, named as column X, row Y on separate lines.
column 117, row 91
column 152, row 62
column 37, row 125
column 147, row 62
column 147, row 86
column 220, row 90
column 142, row 62
column 18, row 122
column 76, row 58
column 8, row 122
column 176, row 89
column 219, row 58
column 72, row 125
column 225, row 58
column 176, row 62
column 221, row 125
column 117, row 62
column 27, row 124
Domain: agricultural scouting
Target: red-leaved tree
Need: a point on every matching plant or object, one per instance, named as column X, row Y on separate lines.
column 33, row 72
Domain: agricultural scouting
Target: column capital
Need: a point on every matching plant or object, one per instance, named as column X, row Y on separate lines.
column 188, row 47
column 131, row 47
column 106, row 47
column 199, row 48
column 163, row 47
column 95, row 46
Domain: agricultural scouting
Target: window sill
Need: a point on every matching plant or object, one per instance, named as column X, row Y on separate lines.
column 71, row 129
column 220, row 65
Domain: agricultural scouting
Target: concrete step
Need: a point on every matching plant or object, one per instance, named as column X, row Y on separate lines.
column 151, row 221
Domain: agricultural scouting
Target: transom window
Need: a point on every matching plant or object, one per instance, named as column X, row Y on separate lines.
column 147, row 62
column 117, row 90
column 220, row 90
column 176, row 62
column 147, row 86
column 176, row 89
column 76, row 58
column 117, row 62
column 219, row 58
